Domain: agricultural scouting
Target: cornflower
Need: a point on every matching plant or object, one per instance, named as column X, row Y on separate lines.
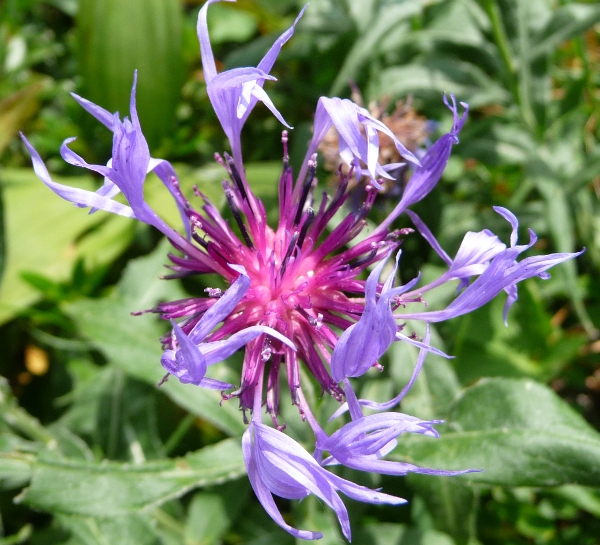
column 295, row 291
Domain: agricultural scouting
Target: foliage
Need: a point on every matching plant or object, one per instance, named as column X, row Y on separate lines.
column 92, row 452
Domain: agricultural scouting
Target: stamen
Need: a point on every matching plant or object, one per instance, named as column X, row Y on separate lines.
column 315, row 322
column 307, row 223
column 286, row 155
column 312, row 170
column 175, row 182
column 199, row 240
column 213, row 292
column 363, row 260
column 235, row 177
column 236, row 214
column 288, row 254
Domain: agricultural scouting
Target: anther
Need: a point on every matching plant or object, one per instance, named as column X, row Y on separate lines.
column 213, row 292
column 200, row 240
column 236, row 214
column 286, row 155
column 363, row 260
column 315, row 322
column 312, row 169
column 235, row 177
column 307, row 223
column 288, row 254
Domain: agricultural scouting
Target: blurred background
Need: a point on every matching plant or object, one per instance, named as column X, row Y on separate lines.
column 79, row 373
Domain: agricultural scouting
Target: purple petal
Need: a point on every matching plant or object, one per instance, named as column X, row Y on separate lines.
column 433, row 163
column 73, row 194
column 221, row 309
column 386, row 406
column 193, row 359
column 166, row 173
column 236, row 77
column 217, row 351
column 503, row 272
column 363, row 343
column 208, row 60
column 277, row 464
column 512, row 219
column 264, row 494
column 73, row 159
column 102, row 115
column 428, row 236
column 212, row 384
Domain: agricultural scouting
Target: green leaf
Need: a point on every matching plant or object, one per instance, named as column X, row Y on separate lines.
column 2, row 237
column 385, row 533
column 60, row 235
column 131, row 529
column 16, row 109
column 583, row 497
column 227, row 24
column 435, row 387
column 378, row 27
column 22, row 536
column 212, row 513
column 116, row 37
column 530, row 346
column 110, row 489
column 14, row 470
column 566, row 22
column 312, row 514
column 132, row 342
column 443, row 75
column 450, row 502
column 518, row 432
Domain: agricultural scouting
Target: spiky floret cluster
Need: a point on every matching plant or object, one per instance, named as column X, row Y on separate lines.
column 303, row 279
column 295, row 295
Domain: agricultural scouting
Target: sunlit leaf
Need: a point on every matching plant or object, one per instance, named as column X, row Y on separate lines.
column 518, row 432
column 111, row 489
column 116, row 37
column 48, row 235
column 132, row 342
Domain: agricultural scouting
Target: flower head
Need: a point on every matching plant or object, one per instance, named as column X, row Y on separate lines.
column 278, row 465
column 297, row 294
column 348, row 118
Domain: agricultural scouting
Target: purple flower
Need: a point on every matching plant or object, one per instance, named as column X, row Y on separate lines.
column 125, row 172
column 362, row 443
column 235, row 92
column 278, row 465
column 297, row 294
column 428, row 174
column 348, row 118
column 502, row 273
column 473, row 256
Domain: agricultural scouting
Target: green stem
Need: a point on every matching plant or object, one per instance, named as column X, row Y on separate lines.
column 501, row 38
column 179, row 433
column 115, row 410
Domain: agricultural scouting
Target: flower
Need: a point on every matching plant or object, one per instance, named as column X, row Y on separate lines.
column 362, row 443
column 347, row 118
column 501, row 272
column 278, row 465
column 296, row 292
